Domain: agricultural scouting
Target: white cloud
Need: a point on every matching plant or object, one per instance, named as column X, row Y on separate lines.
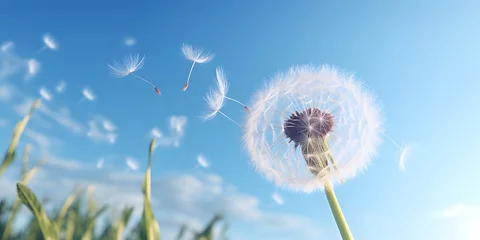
column 132, row 164
column 459, row 210
column 61, row 86
column 100, row 163
column 278, row 198
column 202, row 161
column 7, row 46
column 181, row 198
column 45, row 94
column 130, row 41
column 6, row 93
column 177, row 126
column 98, row 132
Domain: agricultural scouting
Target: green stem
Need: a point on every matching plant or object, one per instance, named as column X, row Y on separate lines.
column 337, row 213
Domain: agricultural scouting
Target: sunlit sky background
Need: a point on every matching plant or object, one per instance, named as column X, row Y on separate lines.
column 420, row 58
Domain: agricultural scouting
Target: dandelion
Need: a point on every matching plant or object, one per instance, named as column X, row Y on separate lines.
column 216, row 98
column 130, row 65
column 196, row 55
column 45, row 94
column 61, row 87
column 49, row 43
column 312, row 127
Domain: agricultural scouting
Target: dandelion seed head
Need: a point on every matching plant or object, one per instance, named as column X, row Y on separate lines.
column 50, row 41
column 197, row 55
column 277, row 198
column 403, row 155
column 301, row 106
column 130, row 64
column 88, row 94
column 100, row 163
column 130, row 41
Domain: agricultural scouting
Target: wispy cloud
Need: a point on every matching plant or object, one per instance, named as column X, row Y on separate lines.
column 202, row 161
column 102, row 129
column 6, row 93
column 130, row 41
column 459, row 210
column 100, row 163
column 7, row 46
column 10, row 63
column 177, row 125
column 278, row 198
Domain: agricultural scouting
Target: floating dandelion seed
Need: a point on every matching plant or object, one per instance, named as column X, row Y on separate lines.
column 45, row 94
column 405, row 151
column 130, row 41
column 128, row 66
column 49, row 42
column 61, row 87
column 109, row 126
column 312, row 127
column 33, row 67
column 216, row 98
column 156, row 133
column 131, row 163
column 196, row 55
column 202, row 161
column 277, row 198
column 100, row 163
column 88, row 95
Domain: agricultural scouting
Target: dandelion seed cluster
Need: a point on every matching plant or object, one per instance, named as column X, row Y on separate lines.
column 309, row 104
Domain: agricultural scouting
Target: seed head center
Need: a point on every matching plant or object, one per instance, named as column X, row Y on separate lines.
column 311, row 123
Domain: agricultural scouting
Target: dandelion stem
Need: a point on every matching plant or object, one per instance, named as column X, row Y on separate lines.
column 235, row 100
column 143, row 79
column 337, row 212
column 41, row 49
column 190, row 73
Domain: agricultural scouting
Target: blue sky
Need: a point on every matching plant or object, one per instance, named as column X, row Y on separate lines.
column 419, row 58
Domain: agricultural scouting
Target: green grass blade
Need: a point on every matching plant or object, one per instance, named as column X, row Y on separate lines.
column 66, row 205
column 148, row 223
column 181, row 232
column 207, row 233
column 126, row 214
column 26, row 177
column 30, row 200
column 17, row 133
column 26, row 154
column 70, row 225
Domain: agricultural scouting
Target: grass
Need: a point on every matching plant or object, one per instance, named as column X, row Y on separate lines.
column 72, row 220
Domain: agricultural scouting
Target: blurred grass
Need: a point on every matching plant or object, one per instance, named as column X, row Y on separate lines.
column 72, row 220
